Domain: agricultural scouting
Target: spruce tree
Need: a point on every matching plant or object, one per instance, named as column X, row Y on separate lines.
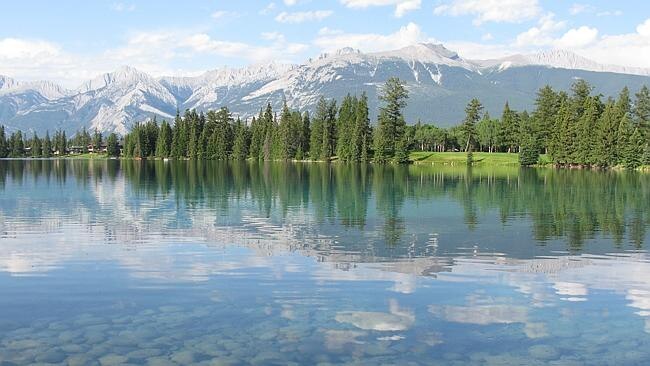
column 269, row 134
column 509, row 129
column 178, row 138
column 286, row 134
column 634, row 149
column 468, row 128
column 305, row 135
column 642, row 119
column 585, row 148
column 257, row 136
column 581, row 91
column 47, row 146
column 112, row 145
column 97, row 141
column 606, row 132
column 361, row 140
column 36, row 147
column 529, row 152
column 3, row 143
column 241, row 143
column 547, row 104
column 17, row 145
column 316, row 136
column 164, row 141
column 560, row 148
column 346, row 128
column 328, row 144
column 391, row 123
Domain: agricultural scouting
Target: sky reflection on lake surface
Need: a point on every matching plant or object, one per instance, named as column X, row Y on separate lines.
column 108, row 262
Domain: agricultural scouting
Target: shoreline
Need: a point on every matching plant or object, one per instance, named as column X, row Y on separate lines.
column 513, row 163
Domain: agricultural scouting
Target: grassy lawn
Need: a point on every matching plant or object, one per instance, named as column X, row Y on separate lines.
column 87, row 156
column 460, row 158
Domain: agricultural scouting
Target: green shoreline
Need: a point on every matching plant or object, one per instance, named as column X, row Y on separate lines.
column 481, row 159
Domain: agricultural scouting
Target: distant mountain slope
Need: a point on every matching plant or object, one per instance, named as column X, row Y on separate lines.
column 439, row 80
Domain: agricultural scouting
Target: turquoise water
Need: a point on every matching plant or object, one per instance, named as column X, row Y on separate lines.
column 109, row 262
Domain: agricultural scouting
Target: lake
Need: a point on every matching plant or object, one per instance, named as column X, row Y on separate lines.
column 207, row 263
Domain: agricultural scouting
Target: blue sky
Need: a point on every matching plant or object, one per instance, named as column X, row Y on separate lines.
column 76, row 40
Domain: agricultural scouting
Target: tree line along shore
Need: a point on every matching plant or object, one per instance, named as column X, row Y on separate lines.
column 575, row 129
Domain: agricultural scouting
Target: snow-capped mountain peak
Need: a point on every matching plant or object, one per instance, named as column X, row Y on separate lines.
column 561, row 59
column 125, row 75
column 46, row 89
column 427, row 53
column 7, row 83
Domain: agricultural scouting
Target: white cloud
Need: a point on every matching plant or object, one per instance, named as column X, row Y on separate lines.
column 122, row 7
column 268, row 9
column 224, row 14
column 577, row 38
column 615, row 13
column 303, row 16
column 290, row 2
column 279, row 50
column 509, row 11
column 542, row 34
column 580, row 8
column 644, row 28
column 401, row 6
column 405, row 36
column 154, row 52
column 14, row 49
column 631, row 49
column 487, row 37
column 325, row 31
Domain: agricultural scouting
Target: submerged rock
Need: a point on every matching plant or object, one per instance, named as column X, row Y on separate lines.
column 543, row 352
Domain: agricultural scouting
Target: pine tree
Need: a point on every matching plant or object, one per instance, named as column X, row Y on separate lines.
column 3, row 143
column 17, row 145
column 606, row 152
column 164, row 141
column 529, row 141
column 305, row 134
column 178, row 138
column 242, row 140
column 509, row 129
column 316, row 136
column 361, row 139
column 345, row 128
column 401, row 151
column 547, row 104
column 472, row 116
column 112, row 146
column 257, row 136
column 560, row 148
column 194, row 126
column 97, row 141
column 269, row 133
column 36, row 147
column 391, row 123
column 642, row 119
column 47, row 146
column 585, row 149
column 529, row 152
column 630, row 144
column 581, row 91
column 328, row 145
column 220, row 140
column 286, row 135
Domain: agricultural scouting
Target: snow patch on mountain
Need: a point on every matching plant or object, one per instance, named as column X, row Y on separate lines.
column 561, row 59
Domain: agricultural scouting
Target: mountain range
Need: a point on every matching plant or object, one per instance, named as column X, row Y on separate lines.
column 440, row 84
